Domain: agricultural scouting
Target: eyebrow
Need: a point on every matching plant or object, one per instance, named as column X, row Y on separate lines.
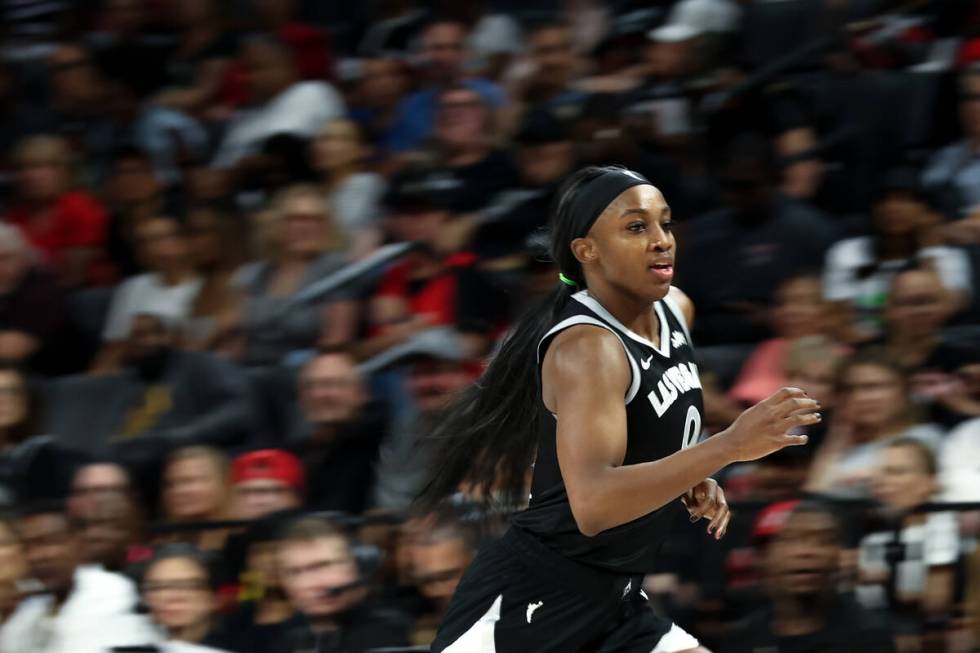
column 639, row 210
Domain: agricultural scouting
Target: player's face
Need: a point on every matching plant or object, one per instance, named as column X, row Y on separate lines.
column 632, row 245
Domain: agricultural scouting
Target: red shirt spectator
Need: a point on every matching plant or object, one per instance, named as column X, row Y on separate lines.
column 68, row 227
column 433, row 298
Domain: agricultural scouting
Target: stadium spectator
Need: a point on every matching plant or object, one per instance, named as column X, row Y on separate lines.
column 216, row 246
column 872, row 409
column 195, row 488
column 958, row 475
column 763, row 236
column 375, row 100
column 321, row 578
column 32, row 308
column 858, row 270
column 168, row 288
column 80, row 607
column 195, row 67
column 954, row 169
column 798, row 311
column 282, row 104
column 439, row 556
column 463, row 142
column 304, row 248
column 13, row 569
column 177, row 589
column 919, row 584
column 339, row 154
column 65, row 224
column 310, row 45
column 266, row 481
column 438, row 370
column 443, row 55
column 20, row 418
column 801, row 562
column 93, row 482
column 339, row 433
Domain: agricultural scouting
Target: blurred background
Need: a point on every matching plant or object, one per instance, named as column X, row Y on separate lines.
column 250, row 249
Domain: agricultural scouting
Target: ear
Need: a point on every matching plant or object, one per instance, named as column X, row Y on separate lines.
column 584, row 249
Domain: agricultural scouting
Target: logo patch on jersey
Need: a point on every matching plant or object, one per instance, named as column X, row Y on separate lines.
column 531, row 607
column 645, row 364
column 677, row 380
column 677, row 339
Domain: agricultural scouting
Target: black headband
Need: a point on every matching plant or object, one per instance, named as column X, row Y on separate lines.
column 589, row 203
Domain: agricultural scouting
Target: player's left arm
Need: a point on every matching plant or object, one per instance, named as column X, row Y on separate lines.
column 706, row 499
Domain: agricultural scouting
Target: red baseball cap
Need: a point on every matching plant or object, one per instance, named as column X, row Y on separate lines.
column 269, row 464
column 771, row 520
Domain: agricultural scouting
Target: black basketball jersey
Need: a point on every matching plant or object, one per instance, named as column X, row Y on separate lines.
column 664, row 411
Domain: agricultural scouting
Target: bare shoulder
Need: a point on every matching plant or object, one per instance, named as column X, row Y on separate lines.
column 685, row 304
column 584, row 352
column 583, row 347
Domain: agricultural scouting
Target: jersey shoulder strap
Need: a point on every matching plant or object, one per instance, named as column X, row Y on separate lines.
column 675, row 308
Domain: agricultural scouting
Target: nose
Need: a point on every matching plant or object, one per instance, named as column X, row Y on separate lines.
column 661, row 240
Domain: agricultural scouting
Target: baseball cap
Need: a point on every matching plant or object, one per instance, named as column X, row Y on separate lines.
column 438, row 342
column 771, row 520
column 421, row 188
column 269, row 464
column 673, row 33
column 706, row 16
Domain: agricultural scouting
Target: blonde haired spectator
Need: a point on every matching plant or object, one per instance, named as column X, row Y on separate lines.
column 304, row 245
column 67, row 226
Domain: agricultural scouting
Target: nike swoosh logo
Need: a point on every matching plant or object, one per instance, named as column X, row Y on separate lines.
column 645, row 364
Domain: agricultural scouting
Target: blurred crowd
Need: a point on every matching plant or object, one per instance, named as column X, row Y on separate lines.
column 250, row 249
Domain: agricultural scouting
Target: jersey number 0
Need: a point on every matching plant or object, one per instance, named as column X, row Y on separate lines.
column 692, row 427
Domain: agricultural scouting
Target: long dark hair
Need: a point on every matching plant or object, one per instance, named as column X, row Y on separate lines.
column 489, row 436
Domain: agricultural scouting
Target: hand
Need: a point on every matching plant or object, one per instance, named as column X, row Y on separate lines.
column 764, row 428
column 707, row 499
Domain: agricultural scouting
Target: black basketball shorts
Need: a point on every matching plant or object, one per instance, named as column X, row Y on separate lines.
column 520, row 597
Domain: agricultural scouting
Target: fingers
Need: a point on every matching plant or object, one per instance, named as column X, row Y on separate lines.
column 720, row 516
column 805, row 419
column 783, row 394
column 795, row 405
column 794, row 440
column 723, row 526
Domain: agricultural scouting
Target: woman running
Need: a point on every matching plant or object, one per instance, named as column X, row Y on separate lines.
column 610, row 358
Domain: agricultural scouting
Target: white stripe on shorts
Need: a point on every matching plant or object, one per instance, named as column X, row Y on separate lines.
column 677, row 639
column 479, row 638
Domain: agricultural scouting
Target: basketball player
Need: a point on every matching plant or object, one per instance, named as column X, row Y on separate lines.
column 610, row 358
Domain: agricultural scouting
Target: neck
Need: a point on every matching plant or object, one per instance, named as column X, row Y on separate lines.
column 634, row 312
column 336, row 176
column 466, row 154
column 896, row 247
column 322, row 625
column 794, row 615
column 870, row 432
column 174, row 276
column 193, row 633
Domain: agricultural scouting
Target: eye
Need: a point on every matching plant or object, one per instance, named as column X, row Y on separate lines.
column 636, row 227
column 667, row 225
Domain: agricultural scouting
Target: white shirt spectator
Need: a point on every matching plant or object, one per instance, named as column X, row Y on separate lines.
column 146, row 293
column 933, row 543
column 959, row 465
column 299, row 111
column 849, row 477
column 99, row 613
column 846, row 278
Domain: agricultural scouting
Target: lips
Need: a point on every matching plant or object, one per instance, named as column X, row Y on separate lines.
column 663, row 270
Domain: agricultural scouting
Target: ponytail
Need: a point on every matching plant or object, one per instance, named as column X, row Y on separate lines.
column 489, row 437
